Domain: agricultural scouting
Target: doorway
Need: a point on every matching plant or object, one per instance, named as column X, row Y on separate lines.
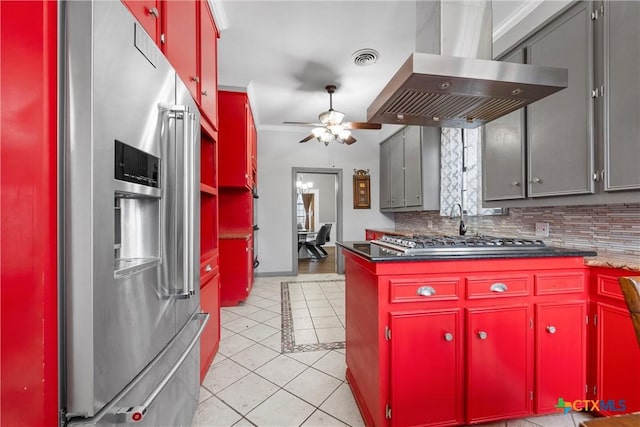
column 317, row 202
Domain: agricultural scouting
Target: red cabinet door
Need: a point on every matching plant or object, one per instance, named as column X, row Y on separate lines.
column 499, row 363
column 235, row 270
column 210, row 338
column 180, row 40
column 560, row 347
column 147, row 12
column 234, row 139
column 208, row 65
column 426, row 368
column 618, row 359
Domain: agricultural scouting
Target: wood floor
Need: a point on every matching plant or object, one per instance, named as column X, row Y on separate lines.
column 327, row 265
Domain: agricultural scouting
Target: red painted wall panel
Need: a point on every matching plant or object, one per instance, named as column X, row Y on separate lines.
column 28, row 254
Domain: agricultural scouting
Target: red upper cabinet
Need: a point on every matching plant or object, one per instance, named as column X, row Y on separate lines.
column 180, row 41
column 147, row 12
column 208, row 66
column 237, row 131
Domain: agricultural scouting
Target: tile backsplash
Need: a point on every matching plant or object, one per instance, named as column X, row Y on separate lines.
column 610, row 228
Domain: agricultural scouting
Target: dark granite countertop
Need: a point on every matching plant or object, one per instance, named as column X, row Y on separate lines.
column 376, row 253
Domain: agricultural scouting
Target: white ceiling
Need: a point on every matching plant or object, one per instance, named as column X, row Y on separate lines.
column 286, row 52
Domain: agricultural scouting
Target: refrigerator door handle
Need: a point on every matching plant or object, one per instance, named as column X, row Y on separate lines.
column 136, row 413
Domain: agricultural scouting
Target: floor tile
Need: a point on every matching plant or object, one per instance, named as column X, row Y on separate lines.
column 342, row 406
column 234, row 344
column 333, row 363
column 263, row 316
column 276, row 308
column 276, row 322
column 244, row 423
column 222, row 375
column 327, row 322
column 225, row 333
column 213, row 413
column 259, row 332
column 313, row 386
column 257, row 301
column 518, row 423
column 302, row 323
column 227, row 316
column 281, row 410
column 255, row 356
column 305, row 336
column 560, row 420
column 308, row 357
column 295, row 305
column 247, row 393
column 300, row 312
column 579, row 417
column 243, row 309
column 218, row 358
column 318, row 303
column 274, row 342
column 240, row 324
column 330, row 334
column 321, row 311
column 281, row 370
column 322, row 419
column 204, row 394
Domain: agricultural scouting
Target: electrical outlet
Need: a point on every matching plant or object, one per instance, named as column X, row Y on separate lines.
column 542, row 229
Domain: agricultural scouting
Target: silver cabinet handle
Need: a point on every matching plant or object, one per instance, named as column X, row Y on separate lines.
column 551, row 329
column 205, row 93
column 154, row 12
column 448, row 336
column 207, row 268
column 426, row 291
column 482, row 335
column 498, row 287
column 536, row 181
column 195, row 79
column 515, row 184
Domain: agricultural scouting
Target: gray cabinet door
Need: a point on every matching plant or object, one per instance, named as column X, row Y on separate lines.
column 412, row 166
column 622, row 95
column 560, row 135
column 503, row 152
column 396, row 167
column 385, row 175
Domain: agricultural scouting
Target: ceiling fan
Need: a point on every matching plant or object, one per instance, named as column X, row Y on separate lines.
column 331, row 125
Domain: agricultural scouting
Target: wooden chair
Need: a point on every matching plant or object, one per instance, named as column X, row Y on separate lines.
column 631, row 290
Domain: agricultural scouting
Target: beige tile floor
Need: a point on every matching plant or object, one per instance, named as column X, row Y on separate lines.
column 252, row 383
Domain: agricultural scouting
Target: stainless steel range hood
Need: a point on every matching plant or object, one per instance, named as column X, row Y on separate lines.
column 451, row 81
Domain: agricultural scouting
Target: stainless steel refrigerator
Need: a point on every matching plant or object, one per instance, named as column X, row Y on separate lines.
column 130, row 286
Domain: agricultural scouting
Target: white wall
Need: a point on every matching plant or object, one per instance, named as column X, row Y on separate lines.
column 278, row 152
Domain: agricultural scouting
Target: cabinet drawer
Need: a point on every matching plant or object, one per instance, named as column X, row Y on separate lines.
column 608, row 286
column 423, row 290
column 559, row 283
column 208, row 267
column 498, row 286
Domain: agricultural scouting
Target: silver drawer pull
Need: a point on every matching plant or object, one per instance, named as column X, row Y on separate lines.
column 448, row 336
column 498, row 287
column 551, row 329
column 482, row 335
column 208, row 268
column 426, row 291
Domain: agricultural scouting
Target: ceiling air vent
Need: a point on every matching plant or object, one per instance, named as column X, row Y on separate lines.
column 364, row 57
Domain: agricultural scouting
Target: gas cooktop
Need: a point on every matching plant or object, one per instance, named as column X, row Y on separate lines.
column 457, row 244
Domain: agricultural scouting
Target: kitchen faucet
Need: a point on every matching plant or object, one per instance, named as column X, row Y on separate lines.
column 463, row 226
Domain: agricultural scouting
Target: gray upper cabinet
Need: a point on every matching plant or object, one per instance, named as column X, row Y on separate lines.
column 410, row 170
column 620, row 102
column 560, row 127
column 503, row 152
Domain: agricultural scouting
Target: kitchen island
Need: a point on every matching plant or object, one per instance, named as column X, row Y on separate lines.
column 452, row 339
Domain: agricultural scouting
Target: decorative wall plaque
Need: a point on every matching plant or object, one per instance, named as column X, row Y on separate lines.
column 361, row 189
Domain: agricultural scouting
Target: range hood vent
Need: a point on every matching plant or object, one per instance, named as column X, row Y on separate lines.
column 461, row 90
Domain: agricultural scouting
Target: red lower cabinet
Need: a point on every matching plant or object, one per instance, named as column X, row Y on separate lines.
column 431, row 372
column 561, row 348
column 617, row 361
column 499, row 363
column 210, row 338
column 236, row 269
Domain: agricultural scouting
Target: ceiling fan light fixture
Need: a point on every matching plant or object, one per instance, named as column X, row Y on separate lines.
column 325, row 137
column 331, row 117
column 335, row 129
column 344, row 135
column 318, row 131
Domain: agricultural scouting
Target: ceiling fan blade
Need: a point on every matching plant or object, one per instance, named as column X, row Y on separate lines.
column 361, row 125
column 303, row 124
column 350, row 140
column 308, row 138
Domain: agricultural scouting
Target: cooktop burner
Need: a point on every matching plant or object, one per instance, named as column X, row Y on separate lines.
column 456, row 244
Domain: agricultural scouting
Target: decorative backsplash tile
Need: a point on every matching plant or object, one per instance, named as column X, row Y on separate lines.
column 611, row 228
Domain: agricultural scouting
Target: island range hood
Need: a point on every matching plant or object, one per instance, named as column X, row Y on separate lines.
column 451, row 81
